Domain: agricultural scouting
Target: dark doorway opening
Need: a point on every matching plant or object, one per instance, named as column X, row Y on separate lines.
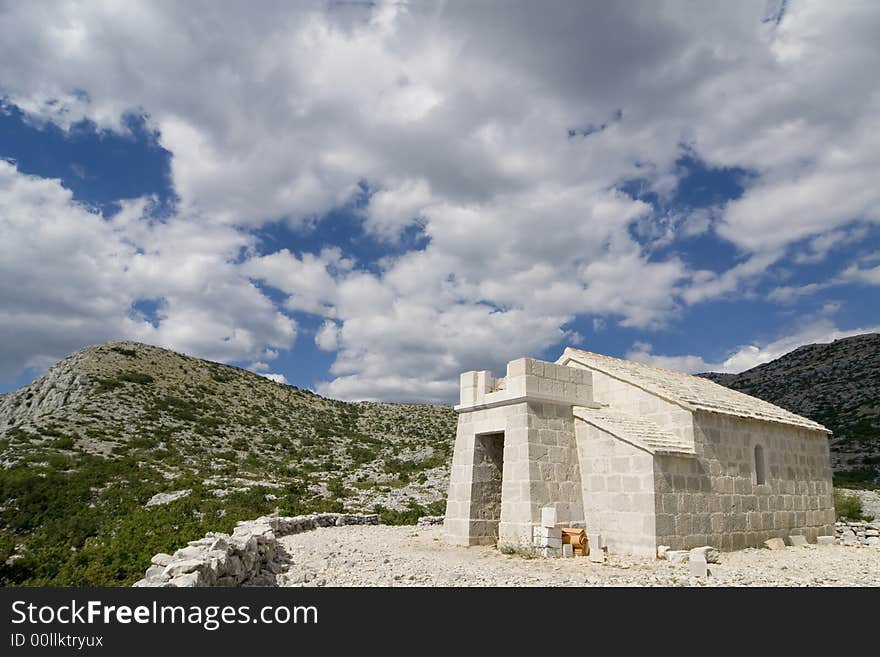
column 486, row 491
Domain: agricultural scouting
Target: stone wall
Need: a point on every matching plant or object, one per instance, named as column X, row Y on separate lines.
column 540, row 468
column 716, row 500
column 465, row 524
column 248, row 557
column 858, row 532
column 631, row 399
column 618, row 491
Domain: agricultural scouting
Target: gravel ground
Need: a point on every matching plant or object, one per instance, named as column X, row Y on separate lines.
column 417, row 556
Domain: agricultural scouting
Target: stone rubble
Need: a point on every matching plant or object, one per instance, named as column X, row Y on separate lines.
column 706, row 553
column 858, row 532
column 251, row 556
column 427, row 521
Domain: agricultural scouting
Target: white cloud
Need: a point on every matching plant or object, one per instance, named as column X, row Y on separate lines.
column 791, row 293
column 748, row 356
column 69, row 277
column 460, row 123
column 277, row 378
column 391, row 210
column 327, row 336
column 863, row 271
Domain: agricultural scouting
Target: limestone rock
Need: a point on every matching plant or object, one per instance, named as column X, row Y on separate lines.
column 249, row 557
column 708, row 553
column 698, row 566
column 775, row 543
column 187, row 580
column 165, row 498
column 161, row 559
column 182, row 567
column 677, row 556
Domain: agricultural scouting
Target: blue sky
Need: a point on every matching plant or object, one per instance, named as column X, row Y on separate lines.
column 366, row 200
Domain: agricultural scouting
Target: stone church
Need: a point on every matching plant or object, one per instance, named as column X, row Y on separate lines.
column 642, row 456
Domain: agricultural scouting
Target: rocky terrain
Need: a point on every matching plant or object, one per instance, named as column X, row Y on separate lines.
column 417, row 556
column 124, row 450
column 836, row 384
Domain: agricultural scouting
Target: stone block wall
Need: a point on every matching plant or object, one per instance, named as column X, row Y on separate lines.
column 716, row 500
column 539, row 468
column 631, row 399
column 466, row 505
column 547, row 474
column 250, row 556
column 618, row 491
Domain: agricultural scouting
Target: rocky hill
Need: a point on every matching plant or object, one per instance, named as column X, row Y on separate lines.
column 124, row 450
column 837, row 384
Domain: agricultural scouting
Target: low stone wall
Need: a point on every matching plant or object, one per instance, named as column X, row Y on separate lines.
column 852, row 532
column 248, row 557
column 428, row 521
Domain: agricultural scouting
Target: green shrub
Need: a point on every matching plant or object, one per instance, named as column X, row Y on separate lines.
column 411, row 514
column 337, row 488
column 64, row 442
column 135, row 377
column 847, row 506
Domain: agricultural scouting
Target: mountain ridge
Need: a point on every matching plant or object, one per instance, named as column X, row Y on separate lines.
column 86, row 447
column 836, row 384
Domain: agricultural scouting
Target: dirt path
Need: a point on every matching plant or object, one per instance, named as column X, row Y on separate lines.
column 417, row 556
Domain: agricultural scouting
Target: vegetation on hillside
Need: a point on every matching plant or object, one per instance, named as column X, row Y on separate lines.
column 76, row 475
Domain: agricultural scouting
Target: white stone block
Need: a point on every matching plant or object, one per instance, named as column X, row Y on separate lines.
column 567, row 550
column 698, row 567
column 548, row 516
column 677, row 556
column 597, row 555
column 485, row 382
column 707, row 553
column 516, row 368
column 775, row 543
column 825, row 540
column 550, row 552
column 661, row 551
column 797, row 540
column 551, row 532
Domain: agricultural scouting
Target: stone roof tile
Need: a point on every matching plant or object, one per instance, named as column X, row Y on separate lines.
column 691, row 392
column 635, row 430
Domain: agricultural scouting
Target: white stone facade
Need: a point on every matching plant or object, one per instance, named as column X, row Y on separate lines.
column 639, row 455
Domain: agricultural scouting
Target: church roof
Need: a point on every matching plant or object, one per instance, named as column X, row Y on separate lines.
column 691, row 392
column 635, row 430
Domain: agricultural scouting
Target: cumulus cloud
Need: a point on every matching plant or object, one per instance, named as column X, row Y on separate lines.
column 747, row 356
column 69, row 277
column 863, row 271
column 506, row 142
column 327, row 336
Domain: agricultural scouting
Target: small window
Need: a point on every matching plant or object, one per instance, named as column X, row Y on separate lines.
column 760, row 475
